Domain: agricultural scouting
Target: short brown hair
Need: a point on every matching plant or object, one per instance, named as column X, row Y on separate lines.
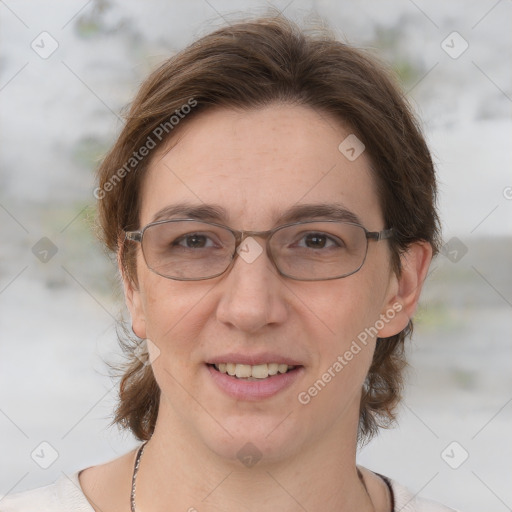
column 249, row 65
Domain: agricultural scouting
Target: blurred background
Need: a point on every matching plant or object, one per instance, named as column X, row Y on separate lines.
column 67, row 69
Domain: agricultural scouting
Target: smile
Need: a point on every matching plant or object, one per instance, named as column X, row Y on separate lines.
column 248, row 386
column 253, row 372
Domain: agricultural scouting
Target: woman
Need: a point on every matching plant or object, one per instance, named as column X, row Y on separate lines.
column 271, row 202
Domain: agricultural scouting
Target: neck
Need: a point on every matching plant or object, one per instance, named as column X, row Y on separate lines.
column 176, row 467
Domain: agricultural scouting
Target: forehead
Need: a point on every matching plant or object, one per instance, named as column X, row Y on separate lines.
column 255, row 166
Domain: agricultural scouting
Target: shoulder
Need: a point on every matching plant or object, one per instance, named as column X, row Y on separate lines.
column 64, row 495
column 402, row 498
column 103, row 487
column 406, row 501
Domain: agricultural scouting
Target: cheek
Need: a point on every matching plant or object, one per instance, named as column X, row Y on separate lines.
column 345, row 309
column 174, row 313
column 342, row 318
column 341, row 338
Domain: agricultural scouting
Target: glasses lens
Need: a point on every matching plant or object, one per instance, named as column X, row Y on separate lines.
column 319, row 250
column 187, row 249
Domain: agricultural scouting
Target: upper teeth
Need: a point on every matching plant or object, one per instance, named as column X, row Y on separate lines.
column 258, row 371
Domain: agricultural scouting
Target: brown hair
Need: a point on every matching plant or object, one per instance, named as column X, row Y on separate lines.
column 248, row 65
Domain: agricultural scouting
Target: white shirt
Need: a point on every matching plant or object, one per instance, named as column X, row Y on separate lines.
column 65, row 495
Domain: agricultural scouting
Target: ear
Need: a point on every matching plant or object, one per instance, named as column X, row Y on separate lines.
column 133, row 301
column 405, row 290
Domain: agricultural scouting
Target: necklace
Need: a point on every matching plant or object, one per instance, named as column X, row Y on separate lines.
column 140, row 451
column 134, row 476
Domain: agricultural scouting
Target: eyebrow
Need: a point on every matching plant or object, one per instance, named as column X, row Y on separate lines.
column 217, row 213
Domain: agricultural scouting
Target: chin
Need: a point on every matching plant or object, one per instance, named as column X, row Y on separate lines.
column 254, row 440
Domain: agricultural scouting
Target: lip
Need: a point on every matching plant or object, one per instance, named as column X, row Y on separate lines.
column 254, row 359
column 254, row 390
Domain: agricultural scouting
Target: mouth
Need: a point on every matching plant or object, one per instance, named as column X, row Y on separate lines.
column 253, row 382
column 256, row 372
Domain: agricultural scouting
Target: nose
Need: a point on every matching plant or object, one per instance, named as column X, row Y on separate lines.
column 253, row 294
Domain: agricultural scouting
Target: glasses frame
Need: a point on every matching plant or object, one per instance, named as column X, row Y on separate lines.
column 240, row 236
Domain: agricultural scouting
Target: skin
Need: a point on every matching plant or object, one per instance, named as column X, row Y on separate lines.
column 255, row 164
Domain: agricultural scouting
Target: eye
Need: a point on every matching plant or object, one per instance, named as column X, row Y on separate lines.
column 321, row 241
column 193, row 241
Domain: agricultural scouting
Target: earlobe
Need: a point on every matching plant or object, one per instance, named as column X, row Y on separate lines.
column 134, row 304
column 402, row 304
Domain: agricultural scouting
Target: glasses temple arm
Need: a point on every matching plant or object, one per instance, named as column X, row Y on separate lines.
column 135, row 236
column 380, row 235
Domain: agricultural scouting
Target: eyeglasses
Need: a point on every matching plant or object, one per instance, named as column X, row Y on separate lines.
column 189, row 250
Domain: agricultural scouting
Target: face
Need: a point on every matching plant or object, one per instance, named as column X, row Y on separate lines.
column 256, row 165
